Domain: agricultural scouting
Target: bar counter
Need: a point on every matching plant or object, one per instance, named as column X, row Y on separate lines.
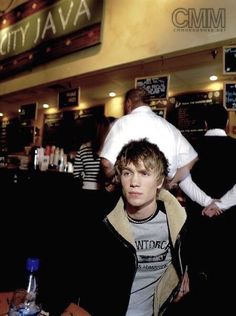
column 9, row 176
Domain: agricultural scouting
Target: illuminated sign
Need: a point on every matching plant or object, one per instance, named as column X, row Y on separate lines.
column 69, row 98
column 40, row 30
column 156, row 86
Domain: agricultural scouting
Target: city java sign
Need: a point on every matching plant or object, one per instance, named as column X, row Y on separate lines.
column 41, row 30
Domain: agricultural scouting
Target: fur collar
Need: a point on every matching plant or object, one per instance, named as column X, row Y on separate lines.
column 175, row 214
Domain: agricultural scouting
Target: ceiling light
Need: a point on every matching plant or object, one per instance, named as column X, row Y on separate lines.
column 45, row 106
column 1, row 114
column 112, row 94
column 213, row 78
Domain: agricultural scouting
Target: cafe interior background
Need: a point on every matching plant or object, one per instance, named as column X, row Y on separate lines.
column 70, row 55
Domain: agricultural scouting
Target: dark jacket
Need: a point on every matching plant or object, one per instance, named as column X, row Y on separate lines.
column 110, row 262
column 215, row 171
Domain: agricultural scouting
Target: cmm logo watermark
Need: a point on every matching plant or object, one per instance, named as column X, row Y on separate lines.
column 199, row 20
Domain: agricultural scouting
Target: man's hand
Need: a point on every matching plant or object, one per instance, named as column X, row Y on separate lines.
column 184, row 288
column 110, row 187
column 212, row 210
column 171, row 184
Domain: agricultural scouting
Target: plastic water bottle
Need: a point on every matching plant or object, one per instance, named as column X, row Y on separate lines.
column 26, row 306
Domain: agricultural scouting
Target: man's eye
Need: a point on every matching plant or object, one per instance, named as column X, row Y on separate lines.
column 125, row 173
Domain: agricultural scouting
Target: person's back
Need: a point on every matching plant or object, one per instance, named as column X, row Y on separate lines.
column 143, row 122
column 211, row 239
column 87, row 161
column 216, row 152
column 216, row 161
column 87, row 167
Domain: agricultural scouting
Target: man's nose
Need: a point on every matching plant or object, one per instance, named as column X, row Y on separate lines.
column 134, row 180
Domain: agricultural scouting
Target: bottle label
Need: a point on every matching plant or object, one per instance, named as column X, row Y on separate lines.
column 24, row 312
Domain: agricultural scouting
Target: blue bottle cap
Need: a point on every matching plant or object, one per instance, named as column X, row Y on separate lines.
column 32, row 264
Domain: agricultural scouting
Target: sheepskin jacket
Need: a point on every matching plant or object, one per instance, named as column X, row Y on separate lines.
column 109, row 275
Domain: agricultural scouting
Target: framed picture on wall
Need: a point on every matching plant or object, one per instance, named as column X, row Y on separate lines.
column 229, row 60
column 229, row 95
column 156, row 86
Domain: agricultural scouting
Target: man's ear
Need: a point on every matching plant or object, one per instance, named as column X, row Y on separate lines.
column 160, row 183
column 128, row 106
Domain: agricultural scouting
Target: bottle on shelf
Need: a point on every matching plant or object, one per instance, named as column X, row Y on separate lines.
column 24, row 300
column 33, row 159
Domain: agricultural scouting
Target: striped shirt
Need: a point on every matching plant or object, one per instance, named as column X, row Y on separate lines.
column 87, row 167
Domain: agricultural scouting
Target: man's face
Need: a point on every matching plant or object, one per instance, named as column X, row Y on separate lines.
column 139, row 186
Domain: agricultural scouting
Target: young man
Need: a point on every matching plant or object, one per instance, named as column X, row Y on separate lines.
column 139, row 270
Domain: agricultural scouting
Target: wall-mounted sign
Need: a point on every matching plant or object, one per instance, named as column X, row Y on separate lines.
column 68, row 98
column 188, row 112
column 64, row 129
column 189, row 108
column 229, row 60
column 156, row 86
column 230, row 95
column 41, row 30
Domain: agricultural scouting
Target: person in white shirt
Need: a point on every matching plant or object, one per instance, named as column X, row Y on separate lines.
column 141, row 122
column 228, row 200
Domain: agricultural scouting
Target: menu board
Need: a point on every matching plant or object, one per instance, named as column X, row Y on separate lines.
column 190, row 108
column 63, row 129
column 69, row 98
column 229, row 60
column 230, row 95
column 19, row 134
column 188, row 113
column 156, row 86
